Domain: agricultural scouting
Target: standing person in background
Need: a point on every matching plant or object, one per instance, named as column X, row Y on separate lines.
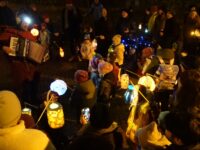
column 71, row 25
column 95, row 9
column 124, row 22
column 34, row 15
column 171, row 31
column 152, row 18
column 159, row 25
column 7, row 17
column 103, row 32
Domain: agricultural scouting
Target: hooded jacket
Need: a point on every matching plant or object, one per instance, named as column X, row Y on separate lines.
column 20, row 138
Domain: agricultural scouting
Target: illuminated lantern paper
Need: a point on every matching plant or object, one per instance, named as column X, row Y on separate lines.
column 26, row 111
column 129, row 94
column 124, row 81
column 58, row 86
column 140, row 26
column 27, row 20
column 85, row 116
column 61, row 52
column 148, row 82
column 55, row 115
column 34, row 32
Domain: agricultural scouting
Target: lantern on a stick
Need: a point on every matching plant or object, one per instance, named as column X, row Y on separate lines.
column 55, row 115
column 54, row 109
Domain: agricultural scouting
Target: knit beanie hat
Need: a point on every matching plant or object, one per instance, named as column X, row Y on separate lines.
column 81, row 76
column 104, row 68
column 10, row 109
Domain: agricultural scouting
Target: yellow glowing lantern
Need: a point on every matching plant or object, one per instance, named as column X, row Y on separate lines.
column 192, row 33
column 148, row 82
column 35, row 32
column 55, row 115
column 184, row 54
column 26, row 111
column 61, row 52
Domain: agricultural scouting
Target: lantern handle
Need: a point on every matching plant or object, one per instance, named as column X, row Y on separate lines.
column 47, row 104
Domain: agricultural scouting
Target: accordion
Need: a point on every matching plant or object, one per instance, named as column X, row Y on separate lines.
column 27, row 49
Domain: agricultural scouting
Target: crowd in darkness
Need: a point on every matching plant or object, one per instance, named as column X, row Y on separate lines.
column 163, row 113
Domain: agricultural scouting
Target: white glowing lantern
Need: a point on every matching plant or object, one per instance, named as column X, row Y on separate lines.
column 35, row 32
column 27, row 20
column 58, row 86
column 124, row 80
column 26, row 111
column 55, row 115
column 146, row 30
column 61, row 52
column 148, row 82
column 140, row 26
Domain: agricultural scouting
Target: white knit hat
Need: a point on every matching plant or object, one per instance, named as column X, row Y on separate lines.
column 10, row 109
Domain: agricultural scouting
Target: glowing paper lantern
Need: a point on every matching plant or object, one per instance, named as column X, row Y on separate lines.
column 124, row 81
column 55, row 115
column 35, row 32
column 27, row 20
column 148, row 82
column 58, row 86
column 85, row 116
column 140, row 26
column 61, row 52
column 26, row 111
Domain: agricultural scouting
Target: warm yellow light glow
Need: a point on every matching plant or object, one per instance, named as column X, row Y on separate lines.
column 26, row 111
column 55, row 115
column 184, row 54
column 192, row 33
column 148, row 82
column 61, row 51
column 35, row 32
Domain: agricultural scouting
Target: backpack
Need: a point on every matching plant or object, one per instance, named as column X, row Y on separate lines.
column 167, row 75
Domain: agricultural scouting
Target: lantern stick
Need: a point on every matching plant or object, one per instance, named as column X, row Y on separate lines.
column 48, row 102
column 140, row 93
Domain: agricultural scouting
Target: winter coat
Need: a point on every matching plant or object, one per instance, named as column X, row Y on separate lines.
column 112, row 134
column 119, row 50
column 20, row 138
column 106, row 87
column 84, row 95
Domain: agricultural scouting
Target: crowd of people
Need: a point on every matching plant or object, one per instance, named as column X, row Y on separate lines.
column 161, row 105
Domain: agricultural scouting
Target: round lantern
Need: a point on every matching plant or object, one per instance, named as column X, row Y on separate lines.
column 26, row 111
column 55, row 115
column 59, row 86
column 129, row 94
column 35, row 32
column 148, row 82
